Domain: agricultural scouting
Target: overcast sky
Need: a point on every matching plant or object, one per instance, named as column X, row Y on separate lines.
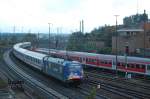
column 34, row 15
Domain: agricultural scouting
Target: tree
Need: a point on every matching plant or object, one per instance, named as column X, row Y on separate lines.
column 76, row 42
column 29, row 37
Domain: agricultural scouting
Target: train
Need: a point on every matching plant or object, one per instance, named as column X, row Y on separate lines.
column 70, row 72
column 129, row 65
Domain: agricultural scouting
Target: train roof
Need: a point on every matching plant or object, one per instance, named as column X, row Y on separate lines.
column 113, row 57
column 37, row 55
column 104, row 56
column 56, row 60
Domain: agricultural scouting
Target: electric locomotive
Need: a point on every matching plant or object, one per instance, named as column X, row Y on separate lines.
column 61, row 69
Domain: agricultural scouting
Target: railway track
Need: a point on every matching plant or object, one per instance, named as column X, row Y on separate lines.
column 82, row 91
column 74, row 93
column 103, row 92
column 132, row 82
column 118, row 87
column 31, row 82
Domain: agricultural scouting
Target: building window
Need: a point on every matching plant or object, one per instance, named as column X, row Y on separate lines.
column 128, row 33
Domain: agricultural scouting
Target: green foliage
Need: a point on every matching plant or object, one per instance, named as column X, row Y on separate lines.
column 92, row 94
column 3, row 84
column 30, row 38
column 89, row 41
column 106, row 50
column 76, row 41
column 13, row 39
column 135, row 20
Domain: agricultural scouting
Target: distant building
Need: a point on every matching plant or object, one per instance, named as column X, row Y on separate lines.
column 133, row 37
column 135, row 20
column 133, row 34
column 95, row 45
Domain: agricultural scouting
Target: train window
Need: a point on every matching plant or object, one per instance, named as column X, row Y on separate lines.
column 109, row 62
column 141, row 66
column 83, row 59
column 123, row 64
column 80, row 59
column 37, row 61
column 31, row 59
column 87, row 59
column 102, row 62
column 128, row 65
column 105, row 62
column 118, row 64
column 49, row 65
column 92, row 60
column 148, row 67
column 60, row 69
column 137, row 65
column 131, row 65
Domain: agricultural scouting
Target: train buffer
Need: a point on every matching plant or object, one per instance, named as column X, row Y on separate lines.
column 15, row 84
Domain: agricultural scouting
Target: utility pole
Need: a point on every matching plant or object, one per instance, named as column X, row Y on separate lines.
column 14, row 29
column 126, row 54
column 144, row 15
column 22, row 29
column 49, row 35
column 116, row 44
column 14, row 35
column 0, row 34
column 38, row 40
column 137, row 7
column 56, row 38
column 82, row 26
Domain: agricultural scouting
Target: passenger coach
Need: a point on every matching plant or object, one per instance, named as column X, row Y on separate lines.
column 131, row 65
column 61, row 69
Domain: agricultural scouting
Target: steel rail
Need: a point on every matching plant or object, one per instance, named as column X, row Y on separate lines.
column 38, row 86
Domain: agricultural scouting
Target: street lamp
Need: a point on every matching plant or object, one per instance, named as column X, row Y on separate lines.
column 116, row 43
column 49, row 35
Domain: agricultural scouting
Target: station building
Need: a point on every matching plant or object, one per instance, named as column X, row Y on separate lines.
column 133, row 38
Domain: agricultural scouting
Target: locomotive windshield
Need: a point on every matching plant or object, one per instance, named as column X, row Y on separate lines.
column 74, row 67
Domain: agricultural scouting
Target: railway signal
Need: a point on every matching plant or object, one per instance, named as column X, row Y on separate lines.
column 98, row 86
column 127, row 49
column 126, row 53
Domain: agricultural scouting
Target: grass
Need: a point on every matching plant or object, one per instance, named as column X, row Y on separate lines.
column 3, row 84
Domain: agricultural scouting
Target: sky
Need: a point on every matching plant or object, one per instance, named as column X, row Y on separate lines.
column 65, row 15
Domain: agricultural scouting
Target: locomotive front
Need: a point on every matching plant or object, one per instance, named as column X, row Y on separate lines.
column 74, row 72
